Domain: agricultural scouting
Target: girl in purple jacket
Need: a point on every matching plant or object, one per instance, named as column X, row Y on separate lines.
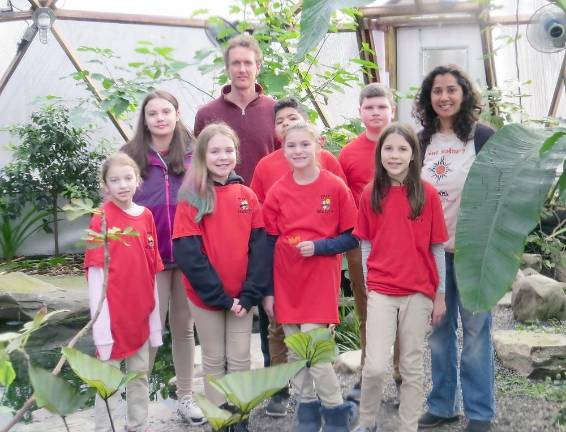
column 160, row 147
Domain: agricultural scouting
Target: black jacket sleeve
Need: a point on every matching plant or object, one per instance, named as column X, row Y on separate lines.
column 335, row 245
column 195, row 265
column 258, row 275
column 271, row 240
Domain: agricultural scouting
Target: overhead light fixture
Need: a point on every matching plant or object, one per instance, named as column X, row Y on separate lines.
column 43, row 19
column 5, row 6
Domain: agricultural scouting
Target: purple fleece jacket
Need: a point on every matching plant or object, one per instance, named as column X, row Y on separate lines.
column 254, row 126
column 158, row 192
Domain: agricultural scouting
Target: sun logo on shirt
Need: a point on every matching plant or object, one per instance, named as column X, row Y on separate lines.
column 440, row 169
column 150, row 241
column 244, row 206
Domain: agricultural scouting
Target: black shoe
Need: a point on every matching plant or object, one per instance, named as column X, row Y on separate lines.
column 277, row 406
column 356, row 393
column 239, row 427
column 428, row 420
column 478, row 426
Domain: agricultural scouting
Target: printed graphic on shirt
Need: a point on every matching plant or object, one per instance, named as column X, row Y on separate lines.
column 325, row 204
column 150, row 241
column 440, row 169
column 244, row 206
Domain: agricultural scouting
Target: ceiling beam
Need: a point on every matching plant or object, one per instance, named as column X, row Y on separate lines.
column 15, row 16
column 23, row 47
column 121, row 18
column 422, row 9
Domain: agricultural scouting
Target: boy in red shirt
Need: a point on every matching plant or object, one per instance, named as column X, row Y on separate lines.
column 357, row 158
column 268, row 171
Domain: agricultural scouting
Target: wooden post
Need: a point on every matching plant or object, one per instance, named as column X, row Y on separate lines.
column 558, row 90
column 16, row 61
column 363, row 35
column 391, row 55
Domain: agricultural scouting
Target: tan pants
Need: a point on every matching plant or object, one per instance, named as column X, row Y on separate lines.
column 225, row 345
column 277, row 348
column 409, row 316
column 137, row 397
column 357, row 283
column 173, row 298
column 321, row 375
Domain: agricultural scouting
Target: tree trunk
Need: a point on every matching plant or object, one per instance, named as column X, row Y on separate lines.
column 55, row 226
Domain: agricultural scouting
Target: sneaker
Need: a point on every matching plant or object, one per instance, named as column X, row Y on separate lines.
column 361, row 428
column 189, row 411
column 356, row 393
column 428, row 420
column 478, row 426
column 277, row 406
column 239, row 427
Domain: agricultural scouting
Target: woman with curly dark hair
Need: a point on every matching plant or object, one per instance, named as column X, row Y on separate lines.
column 448, row 108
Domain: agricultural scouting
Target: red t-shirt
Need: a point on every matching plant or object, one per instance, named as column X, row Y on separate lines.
column 401, row 262
column 358, row 162
column 274, row 166
column 225, row 234
column 307, row 289
column 134, row 261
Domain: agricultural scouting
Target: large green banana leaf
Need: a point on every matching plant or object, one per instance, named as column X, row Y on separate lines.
column 501, row 203
column 106, row 379
column 54, row 393
column 314, row 346
column 315, row 19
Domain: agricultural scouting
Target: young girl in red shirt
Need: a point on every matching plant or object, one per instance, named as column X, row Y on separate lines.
column 219, row 243
column 401, row 228
column 129, row 320
column 309, row 214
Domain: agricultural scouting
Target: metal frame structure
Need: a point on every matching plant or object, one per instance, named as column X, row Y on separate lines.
column 386, row 18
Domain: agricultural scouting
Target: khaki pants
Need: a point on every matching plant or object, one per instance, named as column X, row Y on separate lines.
column 173, row 299
column 225, row 345
column 137, row 397
column 357, row 283
column 409, row 316
column 277, row 347
column 321, row 375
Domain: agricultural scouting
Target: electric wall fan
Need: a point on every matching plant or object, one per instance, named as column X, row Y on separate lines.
column 546, row 30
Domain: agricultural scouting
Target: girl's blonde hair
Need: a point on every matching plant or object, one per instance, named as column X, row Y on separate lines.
column 198, row 188
column 122, row 159
column 303, row 126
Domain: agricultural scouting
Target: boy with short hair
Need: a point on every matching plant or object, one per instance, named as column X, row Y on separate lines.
column 357, row 158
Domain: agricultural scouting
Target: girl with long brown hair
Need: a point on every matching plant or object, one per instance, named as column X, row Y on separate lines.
column 401, row 229
column 161, row 148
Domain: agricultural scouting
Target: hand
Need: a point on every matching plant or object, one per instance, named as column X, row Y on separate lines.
column 267, row 303
column 306, row 248
column 438, row 308
column 235, row 306
column 242, row 312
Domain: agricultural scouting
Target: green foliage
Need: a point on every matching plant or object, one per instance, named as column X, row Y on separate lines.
column 54, row 393
column 315, row 346
column 501, row 203
column 13, row 235
column 553, row 390
column 53, row 159
column 347, row 333
column 106, row 379
column 340, row 135
column 315, row 20
column 120, row 91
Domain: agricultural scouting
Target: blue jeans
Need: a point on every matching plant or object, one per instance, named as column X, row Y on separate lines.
column 477, row 367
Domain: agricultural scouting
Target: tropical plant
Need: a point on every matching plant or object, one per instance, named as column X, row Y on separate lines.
column 53, row 159
column 501, row 204
column 246, row 390
column 13, row 235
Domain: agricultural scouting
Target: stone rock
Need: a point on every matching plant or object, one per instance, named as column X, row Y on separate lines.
column 560, row 272
column 22, row 295
column 349, row 362
column 505, row 301
column 533, row 261
column 531, row 354
column 538, row 297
